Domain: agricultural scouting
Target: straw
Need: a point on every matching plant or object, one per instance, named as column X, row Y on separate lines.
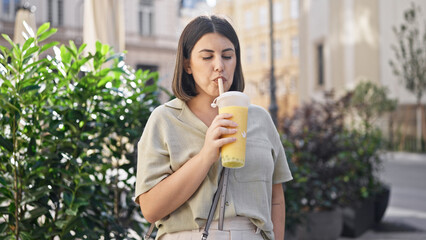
column 220, row 81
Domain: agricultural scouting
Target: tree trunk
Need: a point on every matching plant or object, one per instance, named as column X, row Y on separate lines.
column 419, row 125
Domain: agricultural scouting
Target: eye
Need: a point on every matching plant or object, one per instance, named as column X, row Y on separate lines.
column 207, row 58
column 227, row 57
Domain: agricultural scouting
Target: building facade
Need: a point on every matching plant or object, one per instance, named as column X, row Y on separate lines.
column 251, row 21
column 151, row 29
column 345, row 42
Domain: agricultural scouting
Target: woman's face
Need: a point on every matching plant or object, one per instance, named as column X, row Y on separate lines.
column 212, row 57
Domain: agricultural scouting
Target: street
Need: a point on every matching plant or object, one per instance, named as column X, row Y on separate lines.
column 405, row 217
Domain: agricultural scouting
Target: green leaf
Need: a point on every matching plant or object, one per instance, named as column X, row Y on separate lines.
column 105, row 49
column 7, row 144
column 30, row 51
column 47, row 34
column 71, row 212
column 118, row 70
column 82, row 47
column 5, row 36
column 36, row 212
column 3, row 227
column 33, row 66
column 30, row 73
column 67, row 198
column 72, row 46
column 104, row 81
column 48, row 45
column 27, row 44
column 29, row 88
column 98, row 46
column 65, row 55
column 5, row 52
column 118, row 56
column 25, row 236
column 40, row 192
column 60, row 223
column 6, row 192
column 43, row 28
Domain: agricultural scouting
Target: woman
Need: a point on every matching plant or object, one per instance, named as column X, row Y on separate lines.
column 179, row 151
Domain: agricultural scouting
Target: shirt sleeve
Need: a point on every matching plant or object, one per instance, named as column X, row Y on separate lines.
column 281, row 170
column 153, row 162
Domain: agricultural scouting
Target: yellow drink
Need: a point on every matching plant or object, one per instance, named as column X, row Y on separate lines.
column 234, row 154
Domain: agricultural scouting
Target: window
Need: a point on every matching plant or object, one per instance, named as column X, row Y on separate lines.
column 55, row 12
column 6, row 6
column 8, row 9
column 294, row 9
column 60, row 12
column 263, row 16
column 295, row 46
column 293, row 84
column 146, row 17
column 50, row 11
column 320, row 64
column 263, row 52
column 277, row 49
column 278, row 12
column 248, row 19
column 249, row 54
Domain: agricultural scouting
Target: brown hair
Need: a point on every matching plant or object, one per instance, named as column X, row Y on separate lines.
column 183, row 84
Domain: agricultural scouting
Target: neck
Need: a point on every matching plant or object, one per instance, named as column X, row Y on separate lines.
column 200, row 106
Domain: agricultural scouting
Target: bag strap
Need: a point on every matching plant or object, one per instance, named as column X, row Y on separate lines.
column 222, row 185
column 148, row 234
column 221, row 191
column 223, row 199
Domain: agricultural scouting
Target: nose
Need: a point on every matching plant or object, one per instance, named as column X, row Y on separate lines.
column 218, row 65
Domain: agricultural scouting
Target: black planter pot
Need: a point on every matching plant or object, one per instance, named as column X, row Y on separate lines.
column 322, row 225
column 358, row 219
column 381, row 202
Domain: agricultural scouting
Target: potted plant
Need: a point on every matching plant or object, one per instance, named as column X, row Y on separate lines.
column 366, row 103
column 313, row 138
column 334, row 163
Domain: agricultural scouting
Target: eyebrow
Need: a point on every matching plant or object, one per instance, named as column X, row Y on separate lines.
column 209, row 50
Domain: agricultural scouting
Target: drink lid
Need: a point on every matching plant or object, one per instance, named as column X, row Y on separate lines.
column 231, row 98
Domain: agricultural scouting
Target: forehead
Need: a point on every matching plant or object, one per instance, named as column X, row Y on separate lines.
column 213, row 41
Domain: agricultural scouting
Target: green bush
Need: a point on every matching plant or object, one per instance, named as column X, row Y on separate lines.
column 68, row 127
column 332, row 165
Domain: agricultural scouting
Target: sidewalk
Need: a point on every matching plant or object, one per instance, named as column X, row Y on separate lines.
column 405, row 217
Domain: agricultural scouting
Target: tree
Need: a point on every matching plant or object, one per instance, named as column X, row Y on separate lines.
column 68, row 127
column 368, row 101
column 410, row 54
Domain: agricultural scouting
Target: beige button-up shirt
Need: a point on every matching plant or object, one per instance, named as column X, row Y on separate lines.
column 174, row 134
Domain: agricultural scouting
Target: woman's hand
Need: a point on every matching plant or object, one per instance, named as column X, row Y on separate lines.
column 220, row 126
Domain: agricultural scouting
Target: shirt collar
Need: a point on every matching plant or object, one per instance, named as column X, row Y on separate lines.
column 175, row 103
column 186, row 115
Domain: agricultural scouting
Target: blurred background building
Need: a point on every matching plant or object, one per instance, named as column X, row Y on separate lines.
column 320, row 46
column 251, row 21
column 150, row 28
column 345, row 42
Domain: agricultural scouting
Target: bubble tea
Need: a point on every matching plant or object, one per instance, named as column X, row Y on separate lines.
column 234, row 102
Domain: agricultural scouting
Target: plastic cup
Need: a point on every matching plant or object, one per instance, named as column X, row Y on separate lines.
column 234, row 102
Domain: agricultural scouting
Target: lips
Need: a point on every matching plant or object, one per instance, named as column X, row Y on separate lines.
column 223, row 79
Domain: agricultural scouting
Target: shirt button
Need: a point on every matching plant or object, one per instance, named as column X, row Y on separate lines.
column 227, row 203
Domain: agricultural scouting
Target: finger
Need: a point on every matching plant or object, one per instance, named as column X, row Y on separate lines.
column 223, row 116
column 224, row 141
column 224, row 123
column 223, row 130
